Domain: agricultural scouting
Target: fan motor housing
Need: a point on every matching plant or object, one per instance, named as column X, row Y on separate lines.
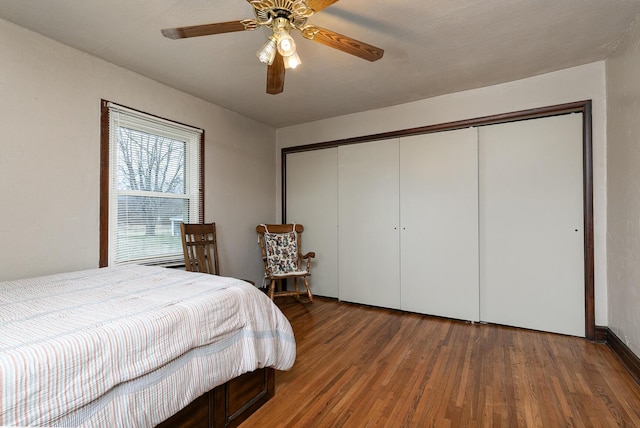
column 289, row 9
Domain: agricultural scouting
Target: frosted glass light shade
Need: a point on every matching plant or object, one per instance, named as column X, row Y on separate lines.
column 267, row 53
column 291, row 61
column 286, row 45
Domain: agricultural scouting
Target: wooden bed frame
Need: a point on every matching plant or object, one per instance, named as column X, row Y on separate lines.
column 227, row 405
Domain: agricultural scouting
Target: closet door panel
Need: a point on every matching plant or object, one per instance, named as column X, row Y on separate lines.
column 368, row 236
column 531, row 224
column 312, row 200
column 439, row 224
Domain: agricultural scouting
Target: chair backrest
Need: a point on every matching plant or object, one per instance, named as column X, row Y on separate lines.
column 280, row 245
column 200, row 247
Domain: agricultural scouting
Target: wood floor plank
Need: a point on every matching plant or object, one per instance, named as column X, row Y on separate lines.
column 362, row 366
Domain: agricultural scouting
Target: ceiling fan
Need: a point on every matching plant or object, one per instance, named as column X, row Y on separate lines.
column 279, row 51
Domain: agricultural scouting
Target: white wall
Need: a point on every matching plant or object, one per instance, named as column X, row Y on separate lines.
column 623, row 188
column 50, row 161
column 574, row 84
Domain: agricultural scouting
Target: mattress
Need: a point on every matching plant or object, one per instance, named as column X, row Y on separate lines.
column 130, row 345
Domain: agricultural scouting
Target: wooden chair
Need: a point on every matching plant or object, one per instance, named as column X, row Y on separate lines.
column 200, row 247
column 281, row 246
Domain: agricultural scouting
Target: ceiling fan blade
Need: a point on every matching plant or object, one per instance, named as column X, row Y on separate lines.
column 275, row 76
column 347, row 44
column 318, row 5
column 204, row 30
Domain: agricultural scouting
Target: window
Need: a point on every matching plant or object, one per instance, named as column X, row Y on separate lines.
column 151, row 181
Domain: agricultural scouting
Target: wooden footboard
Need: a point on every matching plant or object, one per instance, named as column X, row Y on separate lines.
column 227, row 405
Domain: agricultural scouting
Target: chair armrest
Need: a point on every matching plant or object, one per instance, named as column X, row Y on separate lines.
column 308, row 257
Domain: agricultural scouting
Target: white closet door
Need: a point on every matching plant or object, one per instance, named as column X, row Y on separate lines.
column 531, row 224
column 312, row 200
column 368, row 236
column 439, row 224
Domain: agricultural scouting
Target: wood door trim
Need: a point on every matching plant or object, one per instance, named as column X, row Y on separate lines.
column 583, row 107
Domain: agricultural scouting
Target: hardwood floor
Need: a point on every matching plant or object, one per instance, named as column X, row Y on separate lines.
column 362, row 366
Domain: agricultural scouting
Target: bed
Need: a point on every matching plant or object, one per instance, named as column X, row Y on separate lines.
column 133, row 345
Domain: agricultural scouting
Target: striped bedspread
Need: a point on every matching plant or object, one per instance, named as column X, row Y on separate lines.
column 129, row 346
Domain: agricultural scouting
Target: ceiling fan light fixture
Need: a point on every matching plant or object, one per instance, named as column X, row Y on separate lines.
column 279, row 51
column 267, row 53
column 291, row 61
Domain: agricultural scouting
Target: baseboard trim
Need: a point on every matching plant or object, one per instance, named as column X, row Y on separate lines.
column 601, row 333
column 630, row 360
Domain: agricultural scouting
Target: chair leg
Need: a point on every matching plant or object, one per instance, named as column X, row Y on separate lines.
column 296, row 288
column 272, row 288
column 309, row 295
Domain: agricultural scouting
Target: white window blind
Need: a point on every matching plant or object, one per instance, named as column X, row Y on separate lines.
column 154, row 184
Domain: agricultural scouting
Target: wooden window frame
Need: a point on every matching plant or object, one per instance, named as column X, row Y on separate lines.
column 104, row 178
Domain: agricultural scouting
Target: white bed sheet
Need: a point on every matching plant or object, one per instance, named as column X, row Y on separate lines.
column 129, row 346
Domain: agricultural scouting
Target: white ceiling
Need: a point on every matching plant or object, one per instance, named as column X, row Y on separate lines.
column 432, row 47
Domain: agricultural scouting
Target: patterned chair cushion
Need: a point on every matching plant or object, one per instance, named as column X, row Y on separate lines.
column 282, row 252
